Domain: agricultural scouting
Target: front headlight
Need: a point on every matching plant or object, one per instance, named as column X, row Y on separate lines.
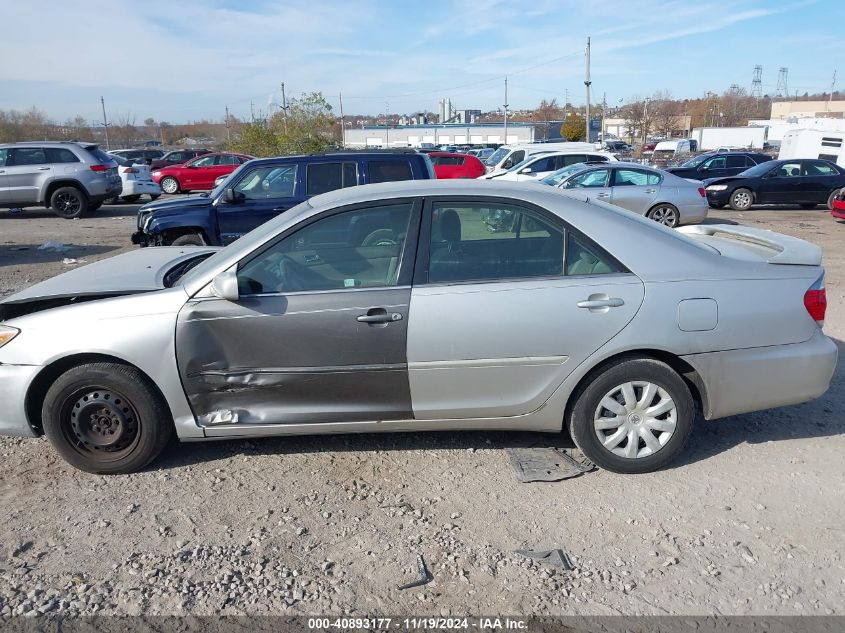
column 716, row 187
column 7, row 333
column 156, row 173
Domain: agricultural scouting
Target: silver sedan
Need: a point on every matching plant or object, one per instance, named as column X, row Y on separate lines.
column 419, row 306
column 656, row 194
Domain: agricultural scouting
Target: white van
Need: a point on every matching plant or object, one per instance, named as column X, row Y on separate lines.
column 538, row 166
column 509, row 155
column 822, row 144
column 667, row 150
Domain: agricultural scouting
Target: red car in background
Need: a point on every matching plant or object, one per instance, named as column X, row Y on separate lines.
column 837, row 205
column 448, row 165
column 199, row 172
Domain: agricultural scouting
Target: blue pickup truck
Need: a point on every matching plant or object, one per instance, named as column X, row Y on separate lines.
column 261, row 189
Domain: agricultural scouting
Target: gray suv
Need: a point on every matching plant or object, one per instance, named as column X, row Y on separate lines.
column 69, row 177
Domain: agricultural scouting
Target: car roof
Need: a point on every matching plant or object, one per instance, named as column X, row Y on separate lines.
column 341, row 154
column 49, row 144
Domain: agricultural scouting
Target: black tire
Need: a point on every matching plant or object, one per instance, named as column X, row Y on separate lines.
column 601, row 385
column 106, row 418
column 830, row 198
column 666, row 214
column 131, row 199
column 741, row 199
column 189, row 239
column 169, row 184
column 69, row 203
column 94, row 206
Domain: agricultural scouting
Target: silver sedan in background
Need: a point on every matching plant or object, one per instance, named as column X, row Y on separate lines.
column 420, row 306
column 654, row 193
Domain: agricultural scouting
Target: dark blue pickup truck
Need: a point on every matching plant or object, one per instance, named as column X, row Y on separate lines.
column 261, row 189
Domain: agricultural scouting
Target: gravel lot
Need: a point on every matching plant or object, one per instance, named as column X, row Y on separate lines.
column 751, row 519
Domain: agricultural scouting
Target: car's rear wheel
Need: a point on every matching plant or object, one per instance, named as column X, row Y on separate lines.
column 133, row 198
column 741, row 200
column 189, row 239
column 169, row 185
column 634, row 416
column 106, row 418
column 69, row 203
column 832, row 197
column 666, row 214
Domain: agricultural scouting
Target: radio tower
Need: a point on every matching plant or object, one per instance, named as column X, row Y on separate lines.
column 757, row 83
column 782, row 89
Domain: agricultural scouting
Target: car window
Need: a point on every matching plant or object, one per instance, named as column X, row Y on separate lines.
column 268, row 182
column 61, row 155
column 542, row 164
column 243, row 159
column 574, row 159
column 447, row 160
column 597, row 158
column 788, row 170
column 594, row 178
column 226, row 159
column 736, row 161
column 479, row 241
column 323, row 177
column 361, row 248
column 29, row 156
column 813, row 168
column 4, row 156
column 176, row 156
column 717, row 162
column 389, row 170
column 584, row 257
column 205, row 161
column 635, row 177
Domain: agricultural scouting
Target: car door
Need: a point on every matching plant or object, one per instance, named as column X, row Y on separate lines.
column 715, row 167
column 260, row 193
column 597, row 181
column 498, row 312
column 191, row 174
column 540, row 167
column 736, row 163
column 820, row 179
column 318, row 333
column 780, row 185
column 25, row 173
column 634, row 189
column 4, row 186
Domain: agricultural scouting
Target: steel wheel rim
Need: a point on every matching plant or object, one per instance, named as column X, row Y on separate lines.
column 742, row 199
column 68, row 203
column 665, row 216
column 169, row 185
column 635, row 419
column 100, row 424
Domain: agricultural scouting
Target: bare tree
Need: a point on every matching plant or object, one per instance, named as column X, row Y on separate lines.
column 124, row 131
column 665, row 114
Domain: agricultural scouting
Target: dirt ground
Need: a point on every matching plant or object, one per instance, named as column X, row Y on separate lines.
column 750, row 520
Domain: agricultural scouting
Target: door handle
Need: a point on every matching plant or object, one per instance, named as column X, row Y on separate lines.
column 44, row 169
column 379, row 315
column 650, row 190
column 614, row 302
column 602, row 195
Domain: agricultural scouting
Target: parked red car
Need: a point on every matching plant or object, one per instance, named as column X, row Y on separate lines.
column 448, row 165
column 837, row 208
column 198, row 173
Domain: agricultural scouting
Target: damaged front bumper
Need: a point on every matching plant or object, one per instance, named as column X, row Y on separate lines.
column 14, row 383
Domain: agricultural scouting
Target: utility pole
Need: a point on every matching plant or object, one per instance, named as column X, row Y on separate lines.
column 284, row 109
column 587, row 83
column 506, row 111
column 105, row 122
column 228, row 133
column 645, row 119
column 565, row 102
column 252, row 112
column 603, row 110
column 342, row 124
column 832, row 86
column 386, row 126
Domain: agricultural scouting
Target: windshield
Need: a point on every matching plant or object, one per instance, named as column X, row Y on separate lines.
column 757, row 170
column 496, row 156
column 562, row 174
column 696, row 160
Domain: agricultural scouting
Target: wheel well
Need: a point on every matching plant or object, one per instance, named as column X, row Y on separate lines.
column 168, row 235
column 686, row 371
column 57, row 184
column 47, row 376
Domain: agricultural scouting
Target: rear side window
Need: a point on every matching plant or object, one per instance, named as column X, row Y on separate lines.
column 635, row 177
column 543, row 164
column 177, row 156
column 389, row 171
column 573, row 159
column 62, row 155
column 812, row 168
column 29, row 156
column 447, row 160
column 227, row 160
column 99, row 155
column 4, row 156
column 323, row 177
column 737, row 161
column 584, row 257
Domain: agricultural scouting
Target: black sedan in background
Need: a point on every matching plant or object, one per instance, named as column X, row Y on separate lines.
column 804, row 182
column 718, row 164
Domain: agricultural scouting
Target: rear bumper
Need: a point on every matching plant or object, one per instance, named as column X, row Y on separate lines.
column 838, row 210
column 740, row 381
column 140, row 187
column 14, row 383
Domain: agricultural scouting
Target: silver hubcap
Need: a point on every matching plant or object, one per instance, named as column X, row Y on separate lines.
column 169, row 185
column 635, row 419
column 664, row 215
column 742, row 199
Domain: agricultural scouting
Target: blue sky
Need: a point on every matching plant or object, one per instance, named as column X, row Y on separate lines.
column 182, row 60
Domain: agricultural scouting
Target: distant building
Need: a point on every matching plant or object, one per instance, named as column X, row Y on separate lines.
column 463, row 134
column 808, row 109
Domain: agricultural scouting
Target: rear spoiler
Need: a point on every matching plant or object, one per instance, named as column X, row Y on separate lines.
column 788, row 250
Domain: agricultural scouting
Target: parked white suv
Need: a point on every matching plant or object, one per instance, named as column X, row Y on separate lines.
column 539, row 166
column 69, row 177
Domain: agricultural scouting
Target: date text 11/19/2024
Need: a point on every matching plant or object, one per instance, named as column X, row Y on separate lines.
column 417, row 623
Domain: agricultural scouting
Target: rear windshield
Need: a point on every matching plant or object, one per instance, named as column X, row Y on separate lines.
column 98, row 154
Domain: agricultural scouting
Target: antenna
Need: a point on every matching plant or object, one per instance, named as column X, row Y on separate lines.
column 757, row 83
column 587, row 83
column 506, row 110
column 782, row 88
column 832, row 86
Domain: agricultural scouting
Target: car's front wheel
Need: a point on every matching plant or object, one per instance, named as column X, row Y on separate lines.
column 741, row 199
column 106, row 418
column 169, row 185
column 634, row 416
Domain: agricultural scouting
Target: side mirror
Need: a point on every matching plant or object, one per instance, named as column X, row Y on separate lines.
column 525, row 170
column 231, row 196
column 225, row 285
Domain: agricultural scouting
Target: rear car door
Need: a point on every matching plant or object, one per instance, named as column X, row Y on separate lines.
column 319, row 332
column 634, row 189
column 259, row 195
column 26, row 173
column 496, row 323
column 388, row 170
column 821, row 179
column 736, row 163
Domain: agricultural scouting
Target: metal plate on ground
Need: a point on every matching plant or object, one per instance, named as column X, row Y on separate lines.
column 548, row 464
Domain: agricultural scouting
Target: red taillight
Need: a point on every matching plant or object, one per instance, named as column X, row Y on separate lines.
column 100, row 167
column 815, row 300
column 701, row 192
column 130, row 170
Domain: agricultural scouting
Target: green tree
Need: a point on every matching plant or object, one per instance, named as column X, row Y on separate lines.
column 574, row 128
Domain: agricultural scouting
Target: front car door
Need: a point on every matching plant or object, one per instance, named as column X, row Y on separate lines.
column 781, row 184
column 596, row 181
column 495, row 319
column 539, row 167
column 319, row 332
column 195, row 172
column 715, row 167
column 635, row 189
column 27, row 169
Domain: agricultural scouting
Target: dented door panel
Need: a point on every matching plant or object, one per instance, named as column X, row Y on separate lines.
column 296, row 358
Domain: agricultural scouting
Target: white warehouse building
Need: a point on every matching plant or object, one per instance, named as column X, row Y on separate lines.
column 374, row 136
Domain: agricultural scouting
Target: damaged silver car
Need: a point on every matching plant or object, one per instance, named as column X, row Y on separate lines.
column 396, row 307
